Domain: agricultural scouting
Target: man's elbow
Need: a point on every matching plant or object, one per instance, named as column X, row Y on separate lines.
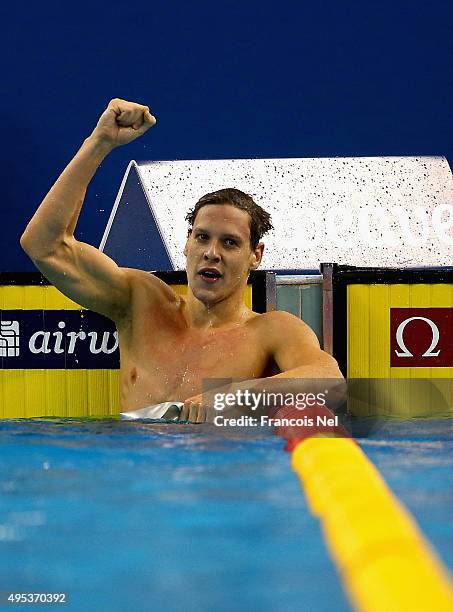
column 29, row 246
column 330, row 367
column 24, row 241
column 336, row 386
column 37, row 248
column 336, row 372
column 28, row 243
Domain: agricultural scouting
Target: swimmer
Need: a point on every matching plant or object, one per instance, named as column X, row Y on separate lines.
column 170, row 344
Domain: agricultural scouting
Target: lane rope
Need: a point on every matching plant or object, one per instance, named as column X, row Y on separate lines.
column 384, row 560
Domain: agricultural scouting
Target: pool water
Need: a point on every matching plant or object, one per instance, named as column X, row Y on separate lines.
column 416, row 459
column 133, row 516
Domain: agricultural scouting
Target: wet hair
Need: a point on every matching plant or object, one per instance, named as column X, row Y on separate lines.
column 260, row 220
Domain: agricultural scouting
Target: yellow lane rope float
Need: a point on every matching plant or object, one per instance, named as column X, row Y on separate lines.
column 384, row 560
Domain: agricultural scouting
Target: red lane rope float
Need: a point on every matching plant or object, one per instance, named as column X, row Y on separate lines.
column 296, row 425
column 385, row 562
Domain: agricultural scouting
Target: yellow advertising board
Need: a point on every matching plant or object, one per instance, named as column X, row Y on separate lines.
column 398, row 337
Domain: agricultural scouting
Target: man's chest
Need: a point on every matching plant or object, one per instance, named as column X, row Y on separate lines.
column 175, row 357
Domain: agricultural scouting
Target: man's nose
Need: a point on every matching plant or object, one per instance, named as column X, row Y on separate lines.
column 212, row 251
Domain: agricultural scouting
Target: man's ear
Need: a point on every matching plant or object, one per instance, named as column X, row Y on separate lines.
column 187, row 242
column 257, row 256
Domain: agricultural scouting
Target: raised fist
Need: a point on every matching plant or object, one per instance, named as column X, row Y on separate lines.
column 123, row 122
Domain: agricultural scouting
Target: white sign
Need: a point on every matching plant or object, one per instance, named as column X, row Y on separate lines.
column 376, row 211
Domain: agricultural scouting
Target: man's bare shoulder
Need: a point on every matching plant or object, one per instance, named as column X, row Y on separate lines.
column 280, row 324
column 293, row 344
column 278, row 318
column 140, row 280
column 146, row 291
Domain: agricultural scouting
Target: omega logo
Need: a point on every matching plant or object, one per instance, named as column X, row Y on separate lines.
column 434, row 338
column 421, row 337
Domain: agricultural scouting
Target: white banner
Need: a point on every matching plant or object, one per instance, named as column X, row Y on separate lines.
column 376, row 211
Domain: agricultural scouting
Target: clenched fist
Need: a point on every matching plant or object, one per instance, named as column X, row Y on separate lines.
column 122, row 122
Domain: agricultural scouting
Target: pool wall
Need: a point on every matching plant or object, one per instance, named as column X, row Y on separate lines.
column 391, row 330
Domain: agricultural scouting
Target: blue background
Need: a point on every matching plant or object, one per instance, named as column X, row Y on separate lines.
column 225, row 79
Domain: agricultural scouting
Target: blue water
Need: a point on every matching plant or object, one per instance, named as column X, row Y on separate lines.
column 129, row 516
column 416, row 459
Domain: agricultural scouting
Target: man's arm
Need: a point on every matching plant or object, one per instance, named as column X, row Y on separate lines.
column 296, row 351
column 80, row 271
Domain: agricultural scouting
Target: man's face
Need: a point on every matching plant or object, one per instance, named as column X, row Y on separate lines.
column 219, row 254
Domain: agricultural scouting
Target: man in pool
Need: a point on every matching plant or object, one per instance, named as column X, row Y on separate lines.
column 170, row 344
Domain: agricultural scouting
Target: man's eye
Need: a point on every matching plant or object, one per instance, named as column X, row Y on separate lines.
column 202, row 237
column 230, row 242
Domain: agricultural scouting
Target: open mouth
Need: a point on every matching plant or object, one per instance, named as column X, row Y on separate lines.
column 210, row 275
